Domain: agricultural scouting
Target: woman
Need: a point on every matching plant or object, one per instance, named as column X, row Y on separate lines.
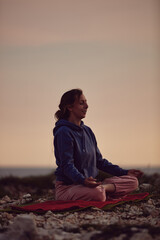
column 79, row 159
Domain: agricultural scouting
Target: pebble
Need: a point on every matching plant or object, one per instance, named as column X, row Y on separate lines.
column 88, row 217
column 70, row 216
column 6, row 199
column 48, row 214
column 26, row 198
column 28, row 195
column 7, row 216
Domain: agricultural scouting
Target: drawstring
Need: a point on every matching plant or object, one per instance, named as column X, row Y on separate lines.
column 83, row 141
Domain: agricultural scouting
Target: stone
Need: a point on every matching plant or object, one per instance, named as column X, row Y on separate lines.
column 145, row 186
column 141, row 236
column 104, row 221
column 134, row 210
column 6, row 199
column 127, row 207
column 153, row 221
column 58, row 215
column 120, row 237
column 134, row 229
column 150, row 210
column 47, row 226
column 144, row 230
column 96, row 209
column 28, row 195
column 59, row 236
column 39, row 221
column 22, row 228
column 89, row 235
column 114, row 220
column 124, row 215
column 88, row 217
column 43, row 233
column 151, row 202
column 70, row 216
column 8, row 216
column 23, row 201
column 26, row 198
column 39, row 218
column 48, row 214
column 68, row 227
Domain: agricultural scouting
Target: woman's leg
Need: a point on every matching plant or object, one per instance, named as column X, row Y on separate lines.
column 79, row 192
column 114, row 186
column 123, row 185
column 109, row 187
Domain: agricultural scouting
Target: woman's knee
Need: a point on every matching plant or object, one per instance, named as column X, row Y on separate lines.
column 134, row 183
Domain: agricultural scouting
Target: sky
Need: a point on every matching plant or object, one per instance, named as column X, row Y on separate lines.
column 108, row 48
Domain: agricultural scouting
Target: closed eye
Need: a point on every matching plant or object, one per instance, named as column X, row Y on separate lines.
column 83, row 102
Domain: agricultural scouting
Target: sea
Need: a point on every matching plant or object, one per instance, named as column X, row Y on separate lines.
column 39, row 171
column 25, row 171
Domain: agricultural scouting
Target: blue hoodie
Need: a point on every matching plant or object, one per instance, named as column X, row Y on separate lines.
column 77, row 154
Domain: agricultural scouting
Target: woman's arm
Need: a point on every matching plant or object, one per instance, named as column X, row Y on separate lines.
column 108, row 167
column 64, row 147
column 135, row 173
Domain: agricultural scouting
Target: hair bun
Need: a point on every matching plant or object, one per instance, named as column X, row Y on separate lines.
column 58, row 114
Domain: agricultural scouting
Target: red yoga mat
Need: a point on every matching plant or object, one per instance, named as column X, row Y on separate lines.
column 66, row 205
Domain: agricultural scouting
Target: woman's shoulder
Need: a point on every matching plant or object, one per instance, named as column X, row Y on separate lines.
column 62, row 131
column 88, row 129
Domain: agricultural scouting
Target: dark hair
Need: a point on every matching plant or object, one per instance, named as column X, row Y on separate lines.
column 68, row 98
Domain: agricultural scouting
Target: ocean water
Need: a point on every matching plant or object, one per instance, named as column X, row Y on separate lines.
column 25, row 172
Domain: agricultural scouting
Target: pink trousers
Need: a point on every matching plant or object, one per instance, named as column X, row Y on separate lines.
column 123, row 185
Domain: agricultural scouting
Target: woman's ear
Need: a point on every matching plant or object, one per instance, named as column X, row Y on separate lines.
column 69, row 107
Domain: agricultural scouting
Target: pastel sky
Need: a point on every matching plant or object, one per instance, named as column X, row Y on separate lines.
column 108, row 48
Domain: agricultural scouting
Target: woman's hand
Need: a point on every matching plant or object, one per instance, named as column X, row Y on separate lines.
column 135, row 173
column 91, row 182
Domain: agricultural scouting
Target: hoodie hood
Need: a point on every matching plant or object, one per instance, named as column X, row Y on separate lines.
column 66, row 123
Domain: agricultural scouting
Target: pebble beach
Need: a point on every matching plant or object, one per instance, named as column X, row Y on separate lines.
column 129, row 221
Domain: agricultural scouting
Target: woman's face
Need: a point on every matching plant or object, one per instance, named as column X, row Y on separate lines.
column 79, row 109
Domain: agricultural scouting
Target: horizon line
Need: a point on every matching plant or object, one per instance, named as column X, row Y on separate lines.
column 53, row 167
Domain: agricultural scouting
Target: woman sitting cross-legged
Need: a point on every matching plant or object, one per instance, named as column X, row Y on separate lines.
column 78, row 158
